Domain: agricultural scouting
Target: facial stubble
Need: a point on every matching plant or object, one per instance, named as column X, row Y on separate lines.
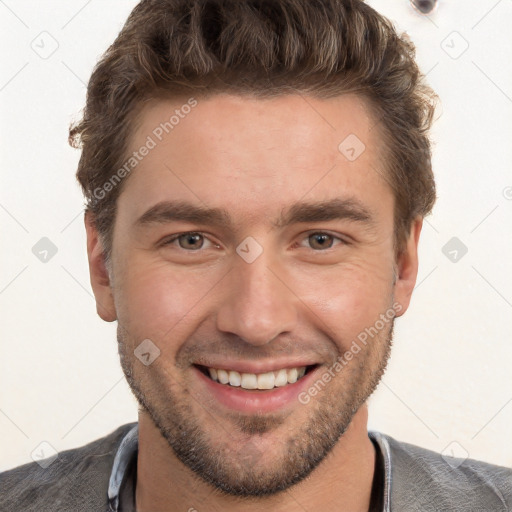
column 238, row 470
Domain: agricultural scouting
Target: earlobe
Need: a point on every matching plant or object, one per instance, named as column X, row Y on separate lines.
column 407, row 268
column 99, row 276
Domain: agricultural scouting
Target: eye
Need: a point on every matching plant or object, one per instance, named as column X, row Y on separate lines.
column 194, row 241
column 322, row 241
column 190, row 241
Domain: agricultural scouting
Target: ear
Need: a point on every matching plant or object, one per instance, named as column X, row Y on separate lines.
column 100, row 280
column 407, row 268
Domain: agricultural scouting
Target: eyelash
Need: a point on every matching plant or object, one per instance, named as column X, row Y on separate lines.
column 169, row 241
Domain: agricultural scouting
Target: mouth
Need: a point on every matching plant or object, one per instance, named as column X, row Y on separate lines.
column 280, row 378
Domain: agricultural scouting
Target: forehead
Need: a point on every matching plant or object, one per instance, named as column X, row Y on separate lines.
column 253, row 155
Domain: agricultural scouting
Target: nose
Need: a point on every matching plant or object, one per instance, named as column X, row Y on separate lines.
column 258, row 304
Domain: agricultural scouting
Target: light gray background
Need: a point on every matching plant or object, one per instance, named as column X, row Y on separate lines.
column 448, row 386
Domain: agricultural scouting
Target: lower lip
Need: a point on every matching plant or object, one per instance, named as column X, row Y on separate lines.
column 251, row 401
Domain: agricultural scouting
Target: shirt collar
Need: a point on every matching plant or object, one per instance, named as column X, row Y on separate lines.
column 125, row 454
column 380, row 442
column 128, row 448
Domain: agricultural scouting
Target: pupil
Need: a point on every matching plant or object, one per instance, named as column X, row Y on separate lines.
column 191, row 239
column 321, row 239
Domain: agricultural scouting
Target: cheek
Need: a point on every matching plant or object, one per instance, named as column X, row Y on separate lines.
column 157, row 301
column 347, row 300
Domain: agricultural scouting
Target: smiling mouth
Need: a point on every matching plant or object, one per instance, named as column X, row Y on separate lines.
column 257, row 381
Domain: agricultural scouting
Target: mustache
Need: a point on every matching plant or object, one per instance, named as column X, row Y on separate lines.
column 199, row 351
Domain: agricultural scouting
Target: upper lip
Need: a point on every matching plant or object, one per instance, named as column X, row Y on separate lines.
column 256, row 366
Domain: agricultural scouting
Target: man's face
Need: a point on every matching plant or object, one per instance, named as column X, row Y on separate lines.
column 268, row 280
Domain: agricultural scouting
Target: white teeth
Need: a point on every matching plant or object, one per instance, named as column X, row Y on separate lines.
column 268, row 380
column 293, row 374
column 281, row 378
column 249, row 381
column 223, row 376
column 235, row 379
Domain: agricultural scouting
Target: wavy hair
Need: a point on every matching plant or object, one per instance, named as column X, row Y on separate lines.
column 262, row 48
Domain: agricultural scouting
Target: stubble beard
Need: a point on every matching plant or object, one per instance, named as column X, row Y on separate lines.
column 239, row 470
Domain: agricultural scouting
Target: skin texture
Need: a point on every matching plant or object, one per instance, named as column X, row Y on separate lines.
column 303, row 298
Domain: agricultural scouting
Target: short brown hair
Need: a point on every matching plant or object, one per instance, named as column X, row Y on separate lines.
column 263, row 48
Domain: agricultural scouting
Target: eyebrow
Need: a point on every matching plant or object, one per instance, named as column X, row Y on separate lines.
column 318, row 211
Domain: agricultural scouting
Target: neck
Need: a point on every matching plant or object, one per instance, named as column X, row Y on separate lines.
column 343, row 480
